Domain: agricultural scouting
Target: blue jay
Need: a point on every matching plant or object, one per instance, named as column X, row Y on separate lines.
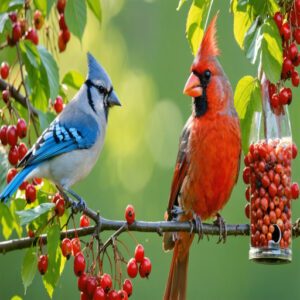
column 69, row 148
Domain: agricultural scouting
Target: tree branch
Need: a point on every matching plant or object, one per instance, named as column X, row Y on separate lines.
column 17, row 95
column 140, row 226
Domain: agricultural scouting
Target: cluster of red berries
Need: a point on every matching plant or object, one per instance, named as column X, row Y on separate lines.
column 139, row 263
column 20, row 28
column 64, row 33
column 289, row 29
column 268, row 173
column 4, row 72
column 59, row 202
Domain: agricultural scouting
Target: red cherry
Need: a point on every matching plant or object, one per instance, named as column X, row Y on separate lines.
column 58, row 104
column 11, row 134
column 30, row 193
column 37, row 181
column 56, row 197
column 290, row 95
column 91, row 284
column 84, row 221
column 43, row 264
column 79, row 264
column 16, row 32
column 129, row 214
column 99, row 294
column 295, row 190
column 30, row 233
column 278, row 19
column 272, row 190
column 285, row 31
column 76, row 246
column 11, row 174
column 66, row 247
column 106, row 282
column 296, row 35
column 246, row 175
column 61, row 4
column 122, row 295
column 5, row 96
column 297, row 6
column 295, row 78
column 145, row 267
column 84, row 296
column 38, row 20
column 294, row 150
column 287, row 67
column 23, row 186
column 66, row 36
column 247, row 210
column 127, row 286
column 292, row 51
column 13, row 16
column 113, row 295
column 32, row 35
column 3, row 135
column 60, row 207
column 139, row 253
column 283, row 96
column 21, row 128
column 62, row 23
column 22, row 150
column 272, row 89
column 132, row 268
column 4, row 70
column 61, row 42
column 81, row 282
column 296, row 61
column 275, row 101
column 13, row 155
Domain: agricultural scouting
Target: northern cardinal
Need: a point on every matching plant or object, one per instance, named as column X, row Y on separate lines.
column 207, row 164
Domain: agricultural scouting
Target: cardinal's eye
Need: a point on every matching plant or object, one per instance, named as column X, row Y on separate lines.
column 207, row 75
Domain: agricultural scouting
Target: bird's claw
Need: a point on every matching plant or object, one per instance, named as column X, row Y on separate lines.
column 220, row 222
column 175, row 212
column 196, row 221
column 78, row 206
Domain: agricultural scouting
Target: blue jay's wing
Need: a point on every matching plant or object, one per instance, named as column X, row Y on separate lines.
column 62, row 136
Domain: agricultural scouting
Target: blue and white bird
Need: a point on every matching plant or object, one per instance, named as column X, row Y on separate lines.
column 69, row 148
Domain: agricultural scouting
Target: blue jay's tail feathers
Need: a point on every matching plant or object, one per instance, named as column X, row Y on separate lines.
column 15, row 183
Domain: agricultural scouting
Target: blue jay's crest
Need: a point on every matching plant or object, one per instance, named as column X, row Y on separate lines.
column 95, row 71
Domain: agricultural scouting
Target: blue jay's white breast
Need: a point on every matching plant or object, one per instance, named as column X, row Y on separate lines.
column 71, row 167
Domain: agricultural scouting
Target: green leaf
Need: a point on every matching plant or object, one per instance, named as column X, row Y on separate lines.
column 3, row 19
column 29, row 52
column 252, row 41
column 247, row 101
column 243, row 18
column 50, row 68
column 27, row 216
column 181, row 2
column 15, row 4
column 45, row 119
column 7, row 221
column 196, row 21
column 95, row 7
column 76, row 16
column 3, row 167
column 16, row 205
column 49, row 6
column 55, row 260
column 41, row 5
column 29, row 267
column 73, row 79
column 273, row 7
column 271, row 50
column 4, row 5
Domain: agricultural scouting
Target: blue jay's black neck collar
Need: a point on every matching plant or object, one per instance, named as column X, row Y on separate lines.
column 102, row 91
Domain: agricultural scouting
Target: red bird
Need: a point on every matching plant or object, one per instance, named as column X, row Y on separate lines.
column 207, row 164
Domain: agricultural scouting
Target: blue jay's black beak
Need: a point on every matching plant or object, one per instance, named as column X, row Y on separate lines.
column 113, row 99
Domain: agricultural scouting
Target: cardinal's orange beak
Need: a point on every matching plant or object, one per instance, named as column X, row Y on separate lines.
column 192, row 87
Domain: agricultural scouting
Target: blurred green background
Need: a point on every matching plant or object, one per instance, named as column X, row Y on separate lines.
column 142, row 44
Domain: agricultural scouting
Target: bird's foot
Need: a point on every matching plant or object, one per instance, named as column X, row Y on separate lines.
column 78, row 206
column 197, row 222
column 175, row 212
column 220, row 222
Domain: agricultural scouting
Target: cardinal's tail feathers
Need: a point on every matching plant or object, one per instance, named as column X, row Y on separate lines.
column 177, row 281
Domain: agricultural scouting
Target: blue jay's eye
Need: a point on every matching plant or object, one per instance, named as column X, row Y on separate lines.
column 102, row 89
